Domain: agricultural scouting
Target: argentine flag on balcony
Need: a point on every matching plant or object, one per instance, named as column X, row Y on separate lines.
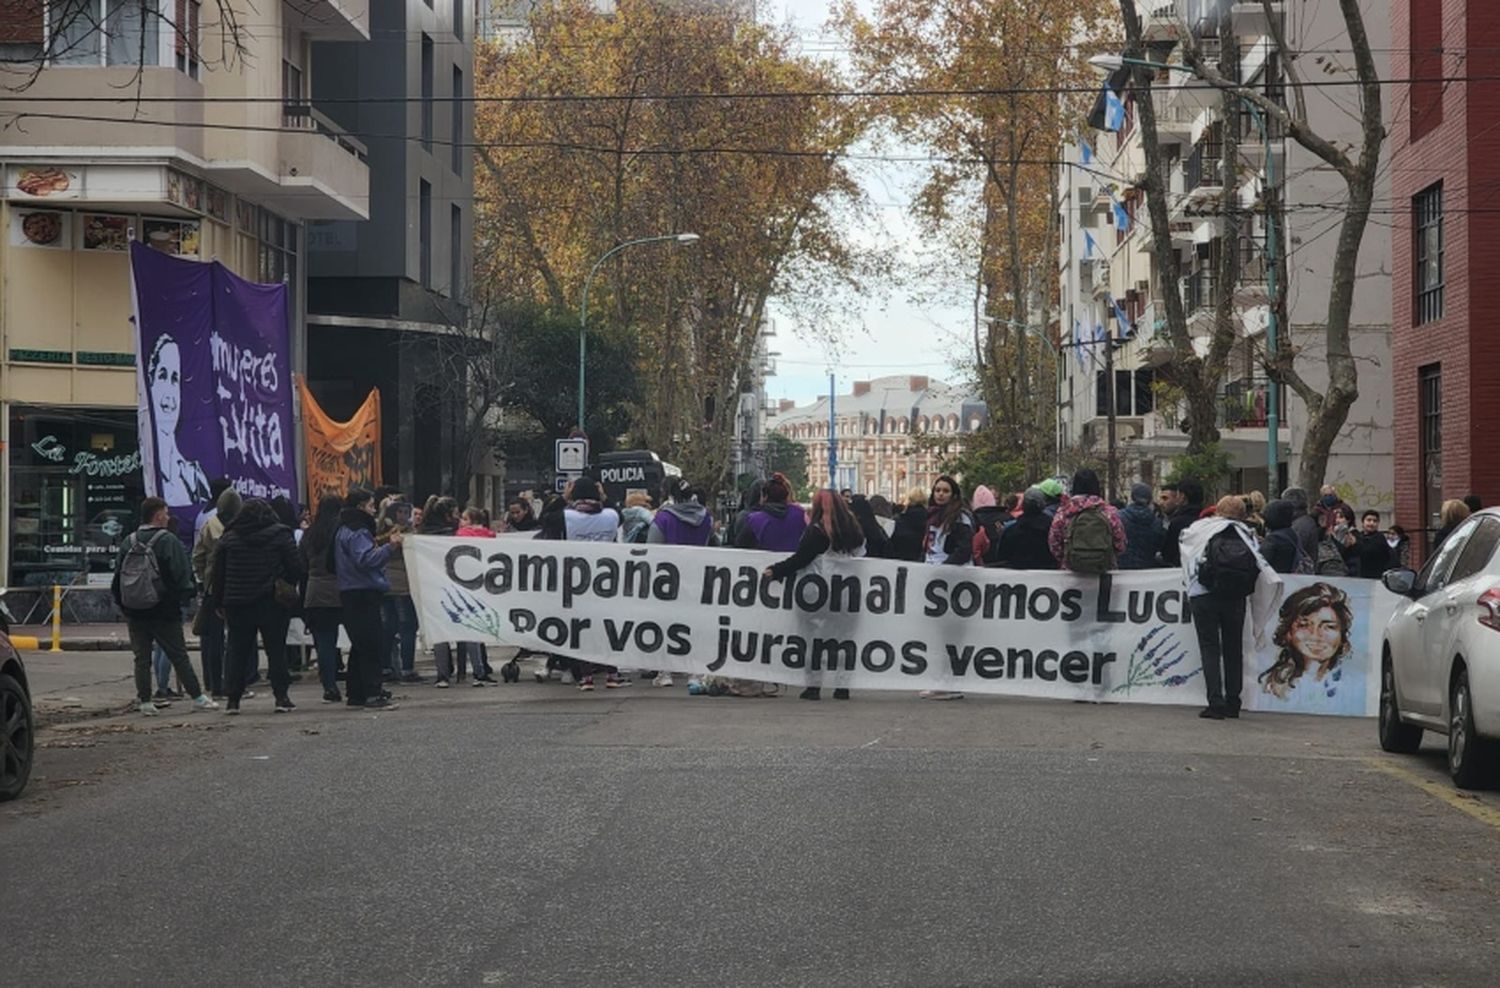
column 1122, row 218
column 1090, row 246
column 1114, row 110
column 1085, row 151
column 1120, row 319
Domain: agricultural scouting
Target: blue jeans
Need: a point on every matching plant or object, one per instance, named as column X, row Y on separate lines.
column 163, row 668
column 326, row 644
column 400, row 620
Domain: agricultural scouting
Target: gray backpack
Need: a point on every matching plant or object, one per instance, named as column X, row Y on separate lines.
column 141, row 586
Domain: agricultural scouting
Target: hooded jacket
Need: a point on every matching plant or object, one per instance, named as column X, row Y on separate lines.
column 207, row 539
column 1281, row 547
column 681, row 523
column 358, row 563
column 774, row 526
column 1143, row 530
column 255, row 552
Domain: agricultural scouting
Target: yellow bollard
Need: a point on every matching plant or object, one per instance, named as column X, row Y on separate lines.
column 56, row 618
column 25, row 643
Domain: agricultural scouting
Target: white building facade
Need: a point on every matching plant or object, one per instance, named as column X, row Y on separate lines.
column 1117, row 269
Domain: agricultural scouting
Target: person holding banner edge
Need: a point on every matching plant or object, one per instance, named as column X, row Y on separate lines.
column 949, row 541
column 360, row 569
column 1222, row 568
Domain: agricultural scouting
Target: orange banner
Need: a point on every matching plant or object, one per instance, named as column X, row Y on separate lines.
column 340, row 455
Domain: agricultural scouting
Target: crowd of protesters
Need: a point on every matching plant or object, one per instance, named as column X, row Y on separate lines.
column 254, row 568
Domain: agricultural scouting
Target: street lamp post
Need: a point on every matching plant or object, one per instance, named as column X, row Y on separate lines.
column 1273, row 422
column 583, row 321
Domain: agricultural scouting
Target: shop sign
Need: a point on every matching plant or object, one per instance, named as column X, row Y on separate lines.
column 19, row 355
column 98, row 359
column 85, row 462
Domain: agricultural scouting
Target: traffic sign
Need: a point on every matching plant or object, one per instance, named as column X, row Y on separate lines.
column 572, row 456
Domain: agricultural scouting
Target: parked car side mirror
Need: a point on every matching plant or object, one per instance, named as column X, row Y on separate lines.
column 1400, row 581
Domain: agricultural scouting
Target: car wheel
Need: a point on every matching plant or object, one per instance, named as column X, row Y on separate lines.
column 1471, row 758
column 17, row 738
column 1394, row 735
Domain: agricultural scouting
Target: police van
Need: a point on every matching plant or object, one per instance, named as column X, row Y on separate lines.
column 628, row 471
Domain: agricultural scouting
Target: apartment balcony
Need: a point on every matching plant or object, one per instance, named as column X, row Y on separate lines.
column 1200, row 300
column 165, row 123
column 1249, row 18
column 1174, row 124
column 1244, row 404
column 1179, row 90
column 330, row 20
column 1161, row 22
column 310, row 169
column 1253, row 287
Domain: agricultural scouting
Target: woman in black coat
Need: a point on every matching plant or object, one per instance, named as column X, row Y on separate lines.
column 911, row 528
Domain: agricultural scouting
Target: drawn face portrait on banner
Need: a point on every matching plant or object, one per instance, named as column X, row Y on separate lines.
column 1314, row 634
column 183, row 481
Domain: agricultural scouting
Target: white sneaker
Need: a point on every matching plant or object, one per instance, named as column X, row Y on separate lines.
column 148, row 709
column 202, row 702
column 541, row 675
column 662, row 679
column 247, row 695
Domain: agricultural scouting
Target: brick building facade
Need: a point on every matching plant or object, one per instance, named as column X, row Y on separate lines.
column 1445, row 147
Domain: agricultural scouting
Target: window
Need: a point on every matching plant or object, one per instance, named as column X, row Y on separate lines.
column 186, row 42
column 458, row 19
column 1434, row 575
column 105, row 32
column 456, row 101
column 427, row 92
column 1477, row 551
column 424, row 232
column 1427, row 254
column 1430, row 397
column 1426, row 66
column 456, row 252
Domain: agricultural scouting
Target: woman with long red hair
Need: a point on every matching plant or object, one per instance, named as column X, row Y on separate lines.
column 833, row 528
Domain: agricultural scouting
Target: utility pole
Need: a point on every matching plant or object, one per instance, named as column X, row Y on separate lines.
column 833, row 438
column 1109, row 373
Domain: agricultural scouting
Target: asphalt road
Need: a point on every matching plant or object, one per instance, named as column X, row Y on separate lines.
column 530, row 835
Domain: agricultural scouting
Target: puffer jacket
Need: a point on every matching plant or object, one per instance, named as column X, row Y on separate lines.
column 1143, row 534
column 358, row 564
column 255, row 552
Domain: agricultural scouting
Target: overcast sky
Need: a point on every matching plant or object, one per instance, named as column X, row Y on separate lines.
column 883, row 333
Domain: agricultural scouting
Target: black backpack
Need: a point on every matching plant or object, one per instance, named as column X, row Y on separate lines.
column 1229, row 567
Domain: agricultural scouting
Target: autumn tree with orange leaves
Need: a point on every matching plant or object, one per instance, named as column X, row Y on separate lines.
column 984, row 78
column 593, row 130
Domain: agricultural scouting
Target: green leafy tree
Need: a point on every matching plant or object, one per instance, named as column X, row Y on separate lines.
column 787, row 456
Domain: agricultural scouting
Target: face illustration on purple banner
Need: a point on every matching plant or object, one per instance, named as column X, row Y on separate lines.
column 183, row 481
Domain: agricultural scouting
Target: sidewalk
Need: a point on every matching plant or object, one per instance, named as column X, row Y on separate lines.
column 82, row 684
column 83, row 637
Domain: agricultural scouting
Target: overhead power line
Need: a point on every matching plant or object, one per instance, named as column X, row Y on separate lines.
column 522, row 98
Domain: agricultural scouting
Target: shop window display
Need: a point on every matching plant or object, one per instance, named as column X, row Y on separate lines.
column 75, row 484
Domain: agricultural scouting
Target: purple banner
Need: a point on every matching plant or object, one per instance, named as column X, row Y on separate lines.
column 214, row 383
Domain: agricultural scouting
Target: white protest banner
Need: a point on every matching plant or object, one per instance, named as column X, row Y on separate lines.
column 877, row 624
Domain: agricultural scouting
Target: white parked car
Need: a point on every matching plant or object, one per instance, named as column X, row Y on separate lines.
column 1440, row 668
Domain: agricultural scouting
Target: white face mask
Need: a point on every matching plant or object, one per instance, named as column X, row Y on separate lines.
column 1392, row 541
